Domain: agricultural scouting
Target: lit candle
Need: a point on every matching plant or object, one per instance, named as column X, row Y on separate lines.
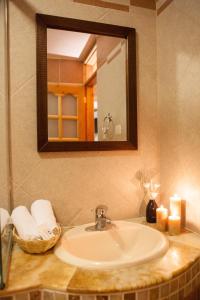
column 174, row 225
column 161, row 218
column 175, row 205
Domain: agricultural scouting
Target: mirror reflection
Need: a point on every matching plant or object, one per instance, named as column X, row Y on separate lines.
column 86, row 87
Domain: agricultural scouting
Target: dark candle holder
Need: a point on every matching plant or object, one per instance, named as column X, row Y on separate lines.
column 151, row 211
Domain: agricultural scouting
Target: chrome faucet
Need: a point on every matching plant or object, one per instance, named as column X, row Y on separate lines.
column 101, row 221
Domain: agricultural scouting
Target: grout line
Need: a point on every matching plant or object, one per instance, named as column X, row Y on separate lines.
column 163, row 6
column 21, row 183
column 22, row 85
column 100, row 18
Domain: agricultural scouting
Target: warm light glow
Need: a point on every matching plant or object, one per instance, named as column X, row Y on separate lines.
column 146, row 185
column 174, row 225
column 175, row 205
column 174, row 217
column 175, row 197
column 175, row 255
column 161, row 218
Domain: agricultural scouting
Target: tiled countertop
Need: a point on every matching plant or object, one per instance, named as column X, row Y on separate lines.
column 48, row 272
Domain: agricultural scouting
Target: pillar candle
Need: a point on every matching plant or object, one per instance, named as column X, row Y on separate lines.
column 175, row 205
column 174, row 225
column 161, row 218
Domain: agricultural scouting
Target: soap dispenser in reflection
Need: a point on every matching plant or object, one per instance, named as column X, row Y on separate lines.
column 107, row 127
column 152, row 189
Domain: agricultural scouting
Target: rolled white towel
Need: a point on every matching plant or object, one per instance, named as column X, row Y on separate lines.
column 25, row 223
column 5, row 218
column 43, row 214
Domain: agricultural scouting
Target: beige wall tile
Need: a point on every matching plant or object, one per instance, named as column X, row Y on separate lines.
column 178, row 46
column 4, row 197
column 4, row 172
column 77, row 182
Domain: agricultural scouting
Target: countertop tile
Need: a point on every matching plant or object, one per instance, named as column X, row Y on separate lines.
column 46, row 271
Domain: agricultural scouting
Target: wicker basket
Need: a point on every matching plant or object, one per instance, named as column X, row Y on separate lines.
column 37, row 246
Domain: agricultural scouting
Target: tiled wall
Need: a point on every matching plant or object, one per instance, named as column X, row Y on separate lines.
column 178, row 48
column 4, row 188
column 77, row 182
column 186, row 286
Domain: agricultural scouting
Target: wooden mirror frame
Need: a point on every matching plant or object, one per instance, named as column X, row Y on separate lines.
column 47, row 21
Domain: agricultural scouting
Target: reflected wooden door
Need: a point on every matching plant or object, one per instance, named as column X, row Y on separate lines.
column 66, row 113
column 90, row 113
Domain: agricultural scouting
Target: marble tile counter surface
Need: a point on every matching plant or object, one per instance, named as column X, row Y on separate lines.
column 28, row 271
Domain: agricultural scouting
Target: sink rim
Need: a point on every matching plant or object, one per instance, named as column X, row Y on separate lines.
column 71, row 259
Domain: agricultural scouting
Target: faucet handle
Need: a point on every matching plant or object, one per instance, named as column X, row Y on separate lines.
column 101, row 210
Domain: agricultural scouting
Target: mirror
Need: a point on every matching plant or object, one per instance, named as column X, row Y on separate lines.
column 86, row 85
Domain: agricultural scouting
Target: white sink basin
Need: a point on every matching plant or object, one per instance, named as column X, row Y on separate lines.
column 124, row 244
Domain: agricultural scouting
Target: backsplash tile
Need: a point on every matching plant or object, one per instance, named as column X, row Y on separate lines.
column 174, row 297
column 188, row 289
column 90, row 297
column 73, row 297
column 48, row 295
column 154, row 294
column 164, row 290
column 103, row 297
column 182, row 280
column 36, row 295
column 188, row 275
column 130, row 296
column 143, row 295
column 173, row 285
column 23, row 296
column 60, row 296
column 116, row 297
